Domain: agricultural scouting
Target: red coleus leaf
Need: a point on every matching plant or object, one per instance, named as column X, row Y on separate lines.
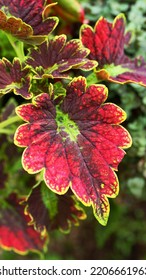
column 54, row 211
column 14, row 77
column 53, row 58
column 78, row 143
column 15, row 234
column 26, row 20
column 106, row 44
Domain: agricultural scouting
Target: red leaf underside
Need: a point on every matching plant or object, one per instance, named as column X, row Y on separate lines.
column 15, row 233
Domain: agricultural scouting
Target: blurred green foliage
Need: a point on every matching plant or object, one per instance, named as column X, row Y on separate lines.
column 124, row 237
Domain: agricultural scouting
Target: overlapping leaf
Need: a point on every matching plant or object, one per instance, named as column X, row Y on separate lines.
column 15, row 234
column 54, row 58
column 78, row 143
column 26, row 20
column 54, row 211
column 8, row 110
column 13, row 77
column 69, row 11
column 106, row 43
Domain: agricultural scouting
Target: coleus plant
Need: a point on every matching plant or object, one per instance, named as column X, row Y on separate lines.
column 72, row 137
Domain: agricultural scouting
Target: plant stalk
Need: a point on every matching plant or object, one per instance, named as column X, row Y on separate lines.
column 18, row 47
column 9, row 121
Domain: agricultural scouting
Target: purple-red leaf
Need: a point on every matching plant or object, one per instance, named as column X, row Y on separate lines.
column 15, row 234
column 106, row 44
column 53, row 58
column 78, row 143
column 26, row 20
column 14, row 77
column 54, row 211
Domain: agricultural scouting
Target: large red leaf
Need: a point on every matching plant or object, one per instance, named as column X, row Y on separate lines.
column 106, row 44
column 14, row 77
column 26, row 20
column 54, row 211
column 53, row 58
column 78, row 143
column 15, row 233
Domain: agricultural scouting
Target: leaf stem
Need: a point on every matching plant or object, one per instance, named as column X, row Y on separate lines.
column 18, row 47
column 38, row 183
column 9, row 121
column 92, row 79
column 6, row 131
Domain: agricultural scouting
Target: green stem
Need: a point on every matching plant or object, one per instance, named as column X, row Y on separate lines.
column 9, row 121
column 38, row 183
column 92, row 79
column 18, row 47
column 6, row 131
